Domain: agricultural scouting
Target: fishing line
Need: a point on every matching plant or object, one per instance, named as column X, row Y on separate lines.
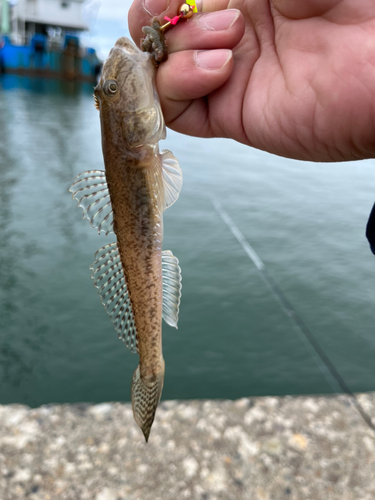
column 280, row 297
column 327, row 368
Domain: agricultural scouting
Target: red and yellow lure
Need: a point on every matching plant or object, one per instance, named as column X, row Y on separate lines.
column 185, row 11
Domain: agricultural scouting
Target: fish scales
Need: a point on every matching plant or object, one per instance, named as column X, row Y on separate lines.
column 138, row 283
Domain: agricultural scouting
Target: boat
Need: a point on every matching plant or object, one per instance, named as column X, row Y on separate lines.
column 42, row 38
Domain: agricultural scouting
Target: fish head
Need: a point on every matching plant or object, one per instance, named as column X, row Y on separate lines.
column 127, row 99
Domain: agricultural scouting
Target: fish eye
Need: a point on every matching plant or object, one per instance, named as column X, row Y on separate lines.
column 110, row 87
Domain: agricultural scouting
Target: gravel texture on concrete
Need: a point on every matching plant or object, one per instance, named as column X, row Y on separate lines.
column 292, row 448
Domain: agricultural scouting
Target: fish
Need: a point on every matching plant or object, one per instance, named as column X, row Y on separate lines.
column 139, row 283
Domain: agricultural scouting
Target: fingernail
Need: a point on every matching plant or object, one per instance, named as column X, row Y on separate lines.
column 212, row 59
column 156, row 7
column 218, row 21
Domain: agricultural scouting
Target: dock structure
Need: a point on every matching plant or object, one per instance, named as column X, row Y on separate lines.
column 41, row 38
column 287, row 448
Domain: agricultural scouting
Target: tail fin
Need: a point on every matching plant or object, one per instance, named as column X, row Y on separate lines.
column 145, row 399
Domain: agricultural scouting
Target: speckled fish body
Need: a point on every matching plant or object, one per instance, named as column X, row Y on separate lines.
column 138, row 282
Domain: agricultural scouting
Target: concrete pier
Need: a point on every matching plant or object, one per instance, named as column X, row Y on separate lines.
column 272, row 448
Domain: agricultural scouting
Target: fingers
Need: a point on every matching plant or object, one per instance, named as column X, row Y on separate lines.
column 222, row 29
column 142, row 11
column 206, row 71
column 181, row 95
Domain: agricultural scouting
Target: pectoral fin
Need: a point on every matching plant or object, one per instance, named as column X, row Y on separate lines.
column 109, row 279
column 172, row 177
column 91, row 191
column 171, row 273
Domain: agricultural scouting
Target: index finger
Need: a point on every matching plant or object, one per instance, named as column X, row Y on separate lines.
column 142, row 11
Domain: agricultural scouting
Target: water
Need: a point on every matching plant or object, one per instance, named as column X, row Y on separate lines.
column 305, row 221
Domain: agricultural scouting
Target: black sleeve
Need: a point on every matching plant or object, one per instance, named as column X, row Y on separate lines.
column 370, row 230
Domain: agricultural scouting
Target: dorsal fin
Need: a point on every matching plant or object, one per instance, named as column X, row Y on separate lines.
column 109, row 279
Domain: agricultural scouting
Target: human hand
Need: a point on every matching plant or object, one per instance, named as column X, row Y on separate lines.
column 294, row 78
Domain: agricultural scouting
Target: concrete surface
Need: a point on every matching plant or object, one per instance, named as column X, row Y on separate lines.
column 290, row 448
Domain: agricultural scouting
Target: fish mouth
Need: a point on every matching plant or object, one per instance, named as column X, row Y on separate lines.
column 95, row 96
column 97, row 102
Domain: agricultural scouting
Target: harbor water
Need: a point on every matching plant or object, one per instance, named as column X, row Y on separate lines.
column 305, row 223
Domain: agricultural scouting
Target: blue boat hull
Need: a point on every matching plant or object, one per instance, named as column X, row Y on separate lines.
column 66, row 63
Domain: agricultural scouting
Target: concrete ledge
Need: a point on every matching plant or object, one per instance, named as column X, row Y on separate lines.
column 292, row 448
